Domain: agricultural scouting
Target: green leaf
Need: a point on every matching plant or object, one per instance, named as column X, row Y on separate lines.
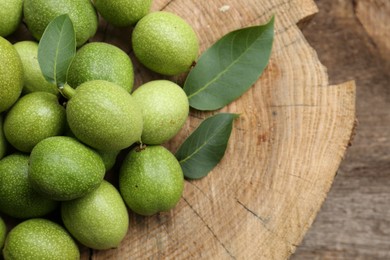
column 230, row 67
column 56, row 50
column 206, row 146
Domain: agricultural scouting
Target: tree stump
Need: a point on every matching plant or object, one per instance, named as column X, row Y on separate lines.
column 283, row 154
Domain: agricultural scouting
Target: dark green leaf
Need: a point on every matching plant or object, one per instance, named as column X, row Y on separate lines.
column 56, row 50
column 206, row 146
column 230, row 67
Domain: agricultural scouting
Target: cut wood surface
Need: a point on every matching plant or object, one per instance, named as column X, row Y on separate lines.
column 292, row 133
column 282, row 157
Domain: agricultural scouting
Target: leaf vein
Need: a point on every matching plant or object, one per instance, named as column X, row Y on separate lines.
column 218, row 130
column 220, row 74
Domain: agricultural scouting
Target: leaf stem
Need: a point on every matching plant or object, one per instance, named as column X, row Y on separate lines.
column 67, row 91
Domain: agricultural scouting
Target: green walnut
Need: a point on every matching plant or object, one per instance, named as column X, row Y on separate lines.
column 99, row 60
column 165, row 43
column 33, row 78
column 103, row 115
column 62, row 168
column 10, row 16
column 98, row 220
column 123, row 12
column 34, row 117
column 151, row 180
column 165, row 109
column 39, row 239
column 11, row 75
column 18, row 199
column 39, row 13
column 109, row 158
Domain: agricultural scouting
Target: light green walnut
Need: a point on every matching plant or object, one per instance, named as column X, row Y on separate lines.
column 123, row 12
column 33, row 78
column 103, row 115
column 165, row 109
column 10, row 16
column 89, row 64
column 34, row 117
column 39, row 13
column 11, row 75
column 98, row 220
column 165, row 43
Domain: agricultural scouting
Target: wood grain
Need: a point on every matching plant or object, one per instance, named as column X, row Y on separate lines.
column 283, row 154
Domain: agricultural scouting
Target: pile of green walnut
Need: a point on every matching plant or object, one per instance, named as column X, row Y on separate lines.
column 55, row 155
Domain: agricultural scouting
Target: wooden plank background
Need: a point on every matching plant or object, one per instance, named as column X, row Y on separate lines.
column 354, row 222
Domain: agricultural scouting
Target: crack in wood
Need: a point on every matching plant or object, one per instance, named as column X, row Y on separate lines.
column 267, row 11
column 285, row 29
column 166, row 5
column 174, row 242
column 199, row 189
column 209, row 228
column 263, row 221
column 197, row 115
column 301, row 178
column 294, row 105
column 292, row 43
